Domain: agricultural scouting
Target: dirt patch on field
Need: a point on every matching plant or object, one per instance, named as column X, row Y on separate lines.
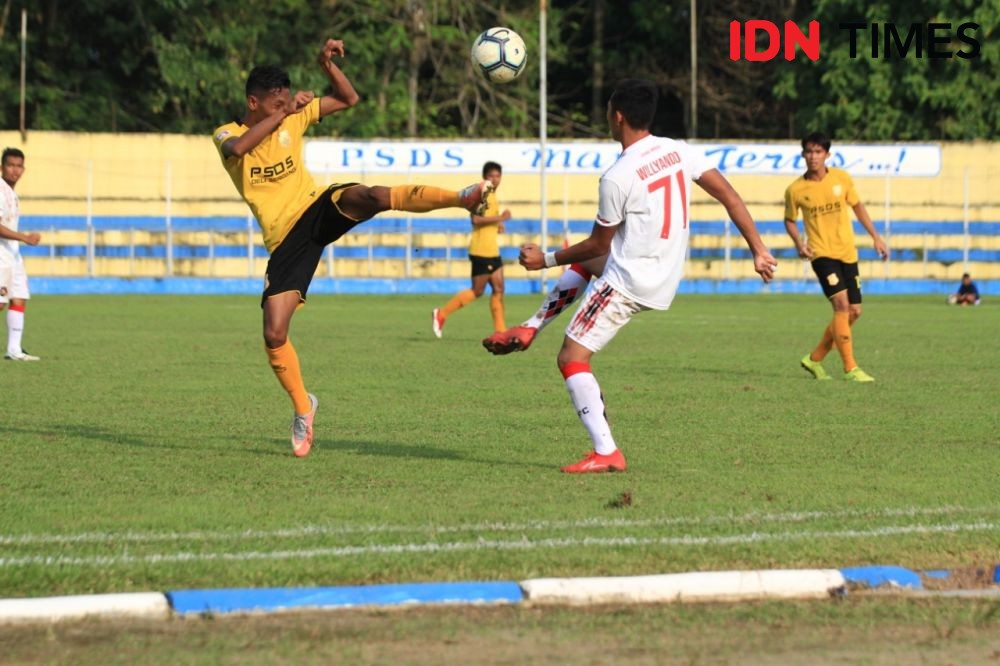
column 964, row 578
column 864, row 629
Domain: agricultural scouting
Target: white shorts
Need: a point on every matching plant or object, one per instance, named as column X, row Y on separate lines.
column 13, row 281
column 601, row 315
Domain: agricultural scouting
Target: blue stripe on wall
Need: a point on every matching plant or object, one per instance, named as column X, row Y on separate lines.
column 386, row 252
column 424, row 224
column 253, row 286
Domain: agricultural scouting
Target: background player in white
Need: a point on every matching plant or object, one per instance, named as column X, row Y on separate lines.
column 13, row 278
column 642, row 225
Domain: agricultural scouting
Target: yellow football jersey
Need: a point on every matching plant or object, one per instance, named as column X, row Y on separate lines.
column 825, row 206
column 272, row 178
column 484, row 236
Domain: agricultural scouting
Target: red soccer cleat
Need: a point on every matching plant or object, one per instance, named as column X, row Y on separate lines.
column 513, row 339
column 595, row 462
column 437, row 322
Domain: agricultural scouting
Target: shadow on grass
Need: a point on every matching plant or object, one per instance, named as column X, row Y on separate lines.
column 417, row 450
column 279, row 448
column 192, row 442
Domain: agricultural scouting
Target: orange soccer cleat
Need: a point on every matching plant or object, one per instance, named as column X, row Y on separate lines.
column 302, row 430
column 473, row 197
column 513, row 339
column 595, row 462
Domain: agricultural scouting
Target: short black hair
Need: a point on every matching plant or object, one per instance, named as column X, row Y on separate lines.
column 492, row 166
column 636, row 100
column 265, row 78
column 965, row 275
column 818, row 138
column 11, row 152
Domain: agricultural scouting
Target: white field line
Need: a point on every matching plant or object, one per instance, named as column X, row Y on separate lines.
column 491, row 545
column 536, row 525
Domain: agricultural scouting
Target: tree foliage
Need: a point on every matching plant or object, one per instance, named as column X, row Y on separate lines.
column 179, row 65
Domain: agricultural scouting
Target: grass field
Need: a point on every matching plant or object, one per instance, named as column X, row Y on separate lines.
column 148, row 450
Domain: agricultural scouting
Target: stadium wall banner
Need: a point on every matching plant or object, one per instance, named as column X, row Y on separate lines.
column 579, row 157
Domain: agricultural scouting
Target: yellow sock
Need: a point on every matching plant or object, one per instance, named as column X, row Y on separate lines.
column 457, row 302
column 285, row 364
column 496, row 308
column 824, row 346
column 842, row 338
column 422, row 198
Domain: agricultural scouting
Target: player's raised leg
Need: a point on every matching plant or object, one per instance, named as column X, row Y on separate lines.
column 568, row 288
column 278, row 311
column 361, row 202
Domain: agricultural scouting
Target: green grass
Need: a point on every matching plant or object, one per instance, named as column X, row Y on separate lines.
column 855, row 630
column 154, row 425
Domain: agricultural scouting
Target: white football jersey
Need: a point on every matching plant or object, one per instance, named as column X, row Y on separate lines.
column 10, row 250
column 647, row 194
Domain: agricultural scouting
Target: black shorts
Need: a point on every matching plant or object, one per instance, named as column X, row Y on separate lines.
column 835, row 276
column 485, row 265
column 293, row 263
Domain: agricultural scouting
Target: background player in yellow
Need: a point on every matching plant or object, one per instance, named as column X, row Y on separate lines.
column 484, row 255
column 263, row 156
column 824, row 195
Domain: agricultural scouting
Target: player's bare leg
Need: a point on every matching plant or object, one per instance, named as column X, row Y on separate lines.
column 278, row 311
column 570, row 287
column 362, row 202
column 585, row 392
column 496, row 300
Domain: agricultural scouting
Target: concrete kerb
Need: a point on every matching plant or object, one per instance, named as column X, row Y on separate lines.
column 719, row 586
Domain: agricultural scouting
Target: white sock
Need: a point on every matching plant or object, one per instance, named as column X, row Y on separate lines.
column 15, row 327
column 585, row 393
column 570, row 286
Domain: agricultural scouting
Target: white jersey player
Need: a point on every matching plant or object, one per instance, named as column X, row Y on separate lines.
column 13, row 278
column 640, row 240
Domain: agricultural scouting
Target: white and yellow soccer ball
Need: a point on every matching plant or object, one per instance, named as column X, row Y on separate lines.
column 500, row 54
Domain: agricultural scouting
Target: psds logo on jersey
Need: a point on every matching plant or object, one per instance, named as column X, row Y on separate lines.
column 274, row 170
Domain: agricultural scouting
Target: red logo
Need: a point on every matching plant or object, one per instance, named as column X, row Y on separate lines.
column 885, row 40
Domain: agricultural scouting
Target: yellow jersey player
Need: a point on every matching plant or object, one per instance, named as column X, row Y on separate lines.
column 262, row 153
column 484, row 255
column 824, row 195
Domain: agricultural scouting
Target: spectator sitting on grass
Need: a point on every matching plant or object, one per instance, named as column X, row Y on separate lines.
column 967, row 293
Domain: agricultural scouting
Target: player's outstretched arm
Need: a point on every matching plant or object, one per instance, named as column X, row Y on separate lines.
column 866, row 222
column 596, row 245
column 719, row 188
column 28, row 239
column 343, row 96
column 480, row 220
column 792, row 229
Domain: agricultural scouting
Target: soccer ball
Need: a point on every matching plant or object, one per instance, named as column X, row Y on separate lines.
column 500, row 54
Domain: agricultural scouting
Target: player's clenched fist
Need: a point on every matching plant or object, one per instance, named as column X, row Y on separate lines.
column 531, row 257
column 332, row 47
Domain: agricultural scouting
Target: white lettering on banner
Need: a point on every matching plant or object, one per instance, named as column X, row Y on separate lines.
column 328, row 156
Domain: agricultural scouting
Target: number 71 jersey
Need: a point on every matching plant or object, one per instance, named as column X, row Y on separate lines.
column 646, row 193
